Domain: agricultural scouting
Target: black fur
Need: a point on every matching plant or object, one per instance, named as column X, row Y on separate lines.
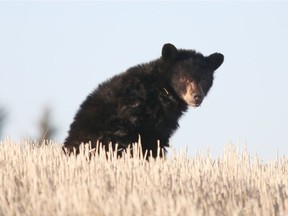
column 144, row 101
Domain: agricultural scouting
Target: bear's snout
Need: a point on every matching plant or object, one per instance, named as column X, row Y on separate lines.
column 198, row 98
column 193, row 95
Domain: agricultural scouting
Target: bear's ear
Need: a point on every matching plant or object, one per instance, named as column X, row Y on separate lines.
column 215, row 60
column 169, row 51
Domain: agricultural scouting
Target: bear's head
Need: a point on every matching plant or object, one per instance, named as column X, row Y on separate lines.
column 190, row 74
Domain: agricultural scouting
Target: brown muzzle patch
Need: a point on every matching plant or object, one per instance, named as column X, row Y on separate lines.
column 193, row 95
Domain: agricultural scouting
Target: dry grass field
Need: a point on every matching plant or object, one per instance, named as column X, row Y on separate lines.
column 43, row 181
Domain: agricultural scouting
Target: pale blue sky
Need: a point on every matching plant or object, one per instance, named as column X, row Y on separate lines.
column 55, row 54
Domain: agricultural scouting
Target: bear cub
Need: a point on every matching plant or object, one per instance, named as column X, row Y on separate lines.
column 144, row 102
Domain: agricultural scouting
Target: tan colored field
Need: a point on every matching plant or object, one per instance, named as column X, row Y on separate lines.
column 42, row 181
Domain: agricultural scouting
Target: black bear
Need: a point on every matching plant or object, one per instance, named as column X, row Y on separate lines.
column 145, row 101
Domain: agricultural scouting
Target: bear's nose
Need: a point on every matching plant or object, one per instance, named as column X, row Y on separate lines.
column 198, row 98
